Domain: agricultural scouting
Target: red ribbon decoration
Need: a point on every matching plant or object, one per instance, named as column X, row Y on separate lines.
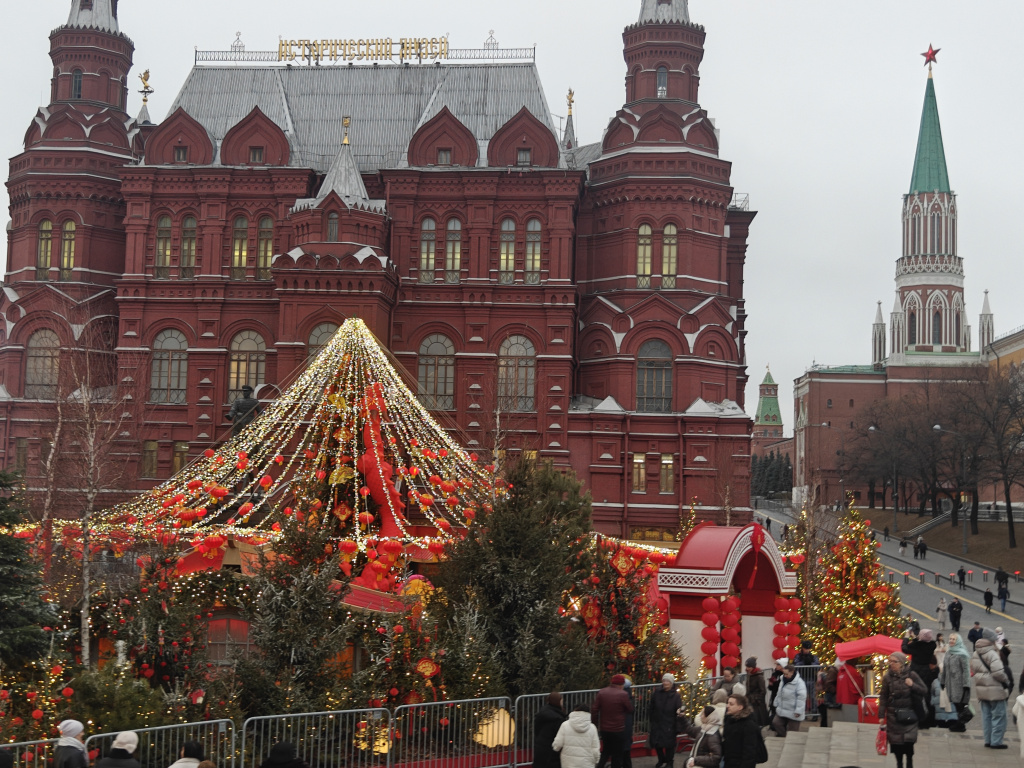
column 757, row 539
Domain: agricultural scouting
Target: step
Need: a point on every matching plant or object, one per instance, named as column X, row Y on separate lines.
column 818, row 749
column 792, row 753
column 775, row 747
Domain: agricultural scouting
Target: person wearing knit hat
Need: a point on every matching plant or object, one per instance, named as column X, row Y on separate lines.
column 121, row 752
column 898, row 710
column 757, row 691
column 70, row 752
column 665, row 701
column 992, row 686
column 608, row 712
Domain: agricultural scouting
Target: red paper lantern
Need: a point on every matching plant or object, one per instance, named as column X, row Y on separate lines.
column 710, row 619
column 780, row 629
column 710, row 662
column 731, row 619
column 730, row 605
column 730, row 635
column 730, row 649
column 782, row 617
column 710, row 634
column 730, row 661
column 779, row 642
column 778, row 654
column 710, row 605
column 796, row 604
column 708, row 648
column 793, row 629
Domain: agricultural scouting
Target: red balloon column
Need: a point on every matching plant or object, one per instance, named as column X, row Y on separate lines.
column 711, row 616
column 795, row 604
column 781, row 630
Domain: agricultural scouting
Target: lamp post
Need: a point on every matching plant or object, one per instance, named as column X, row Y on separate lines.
column 963, row 481
column 895, row 487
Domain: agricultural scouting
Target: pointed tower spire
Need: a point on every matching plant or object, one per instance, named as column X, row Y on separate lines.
column 344, row 176
column 94, row 14
column 987, row 329
column 569, row 137
column 664, row 12
column 878, row 339
column 768, row 421
column 930, row 174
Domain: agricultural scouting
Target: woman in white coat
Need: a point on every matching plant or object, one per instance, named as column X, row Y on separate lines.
column 577, row 741
column 790, row 703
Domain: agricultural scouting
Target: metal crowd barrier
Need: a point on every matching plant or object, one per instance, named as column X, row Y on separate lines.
column 161, row 746
column 31, row 754
column 475, row 733
column 353, row 738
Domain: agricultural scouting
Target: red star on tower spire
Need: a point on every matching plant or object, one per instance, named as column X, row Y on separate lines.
column 931, row 56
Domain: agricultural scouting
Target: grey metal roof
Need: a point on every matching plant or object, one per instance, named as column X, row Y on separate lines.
column 662, row 12
column 100, row 15
column 387, row 104
column 581, row 157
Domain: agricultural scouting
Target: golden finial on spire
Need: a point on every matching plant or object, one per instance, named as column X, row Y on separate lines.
column 346, row 121
column 571, row 98
column 146, row 90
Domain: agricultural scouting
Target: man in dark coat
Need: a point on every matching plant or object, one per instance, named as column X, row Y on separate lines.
column 741, row 736
column 955, row 609
column 961, row 576
column 757, row 691
column 243, row 411
column 665, row 702
column 975, row 634
column 989, row 598
column 546, row 723
column 608, row 712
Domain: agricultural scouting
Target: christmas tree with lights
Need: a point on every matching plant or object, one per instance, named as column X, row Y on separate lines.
column 850, row 598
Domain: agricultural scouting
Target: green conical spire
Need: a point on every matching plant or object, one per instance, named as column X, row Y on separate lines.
column 930, row 173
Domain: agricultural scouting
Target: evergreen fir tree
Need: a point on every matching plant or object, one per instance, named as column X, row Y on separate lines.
column 506, row 584
column 23, row 612
column 787, row 475
column 756, row 476
column 850, row 599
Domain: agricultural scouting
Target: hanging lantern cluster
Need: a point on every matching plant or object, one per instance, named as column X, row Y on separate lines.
column 731, row 631
column 787, row 627
column 712, row 637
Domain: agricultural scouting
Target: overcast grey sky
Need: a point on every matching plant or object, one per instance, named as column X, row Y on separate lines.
column 818, row 103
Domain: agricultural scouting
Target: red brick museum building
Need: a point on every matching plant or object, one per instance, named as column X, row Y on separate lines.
column 584, row 302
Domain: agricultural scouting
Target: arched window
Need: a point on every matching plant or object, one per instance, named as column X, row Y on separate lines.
column 437, row 373
column 76, row 84
column 162, row 263
column 654, row 378
column 168, row 379
column 936, row 233
column 318, row 339
column 915, row 226
column 669, row 256
column 265, row 248
column 42, row 361
column 187, row 261
column 957, row 330
column 67, row 251
column 516, row 374
column 533, row 249
column 662, row 82
column 937, row 328
column 240, row 248
column 247, row 364
column 44, row 251
column 332, row 227
column 507, row 253
column 643, row 257
column 912, row 327
column 428, row 250
column 453, row 252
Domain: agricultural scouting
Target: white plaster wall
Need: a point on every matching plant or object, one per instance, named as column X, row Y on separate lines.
column 758, row 633
column 686, row 633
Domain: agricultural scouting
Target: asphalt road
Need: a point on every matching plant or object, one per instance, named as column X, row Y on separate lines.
column 921, row 600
